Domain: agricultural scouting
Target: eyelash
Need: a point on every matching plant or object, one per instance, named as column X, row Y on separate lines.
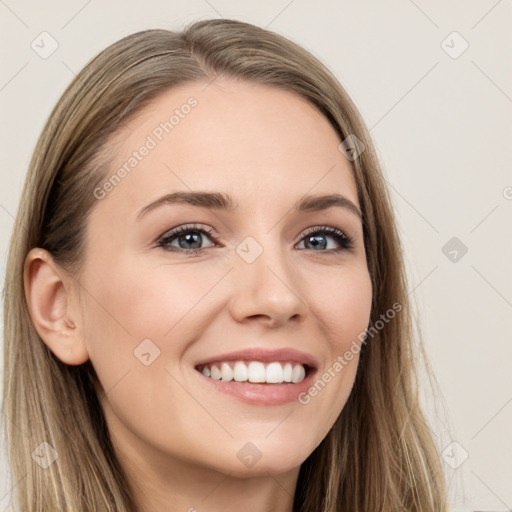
column 345, row 241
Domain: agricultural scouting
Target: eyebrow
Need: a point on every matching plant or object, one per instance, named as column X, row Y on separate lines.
column 220, row 201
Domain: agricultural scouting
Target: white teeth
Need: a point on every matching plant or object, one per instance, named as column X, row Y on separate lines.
column 274, row 373
column 215, row 373
column 240, row 373
column 298, row 373
column 226, row 372
column 256, row 371
column 287, row 372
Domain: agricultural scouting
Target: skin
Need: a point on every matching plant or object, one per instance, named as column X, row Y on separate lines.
column 176, row 436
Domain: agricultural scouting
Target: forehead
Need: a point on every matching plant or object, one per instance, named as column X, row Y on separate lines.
column 254, row 142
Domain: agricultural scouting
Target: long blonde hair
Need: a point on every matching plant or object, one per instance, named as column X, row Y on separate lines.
column 378, row 456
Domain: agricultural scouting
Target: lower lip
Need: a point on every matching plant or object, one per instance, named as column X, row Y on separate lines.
column 261, row 394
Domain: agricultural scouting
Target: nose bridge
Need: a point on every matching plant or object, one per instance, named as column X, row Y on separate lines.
column 266, row 280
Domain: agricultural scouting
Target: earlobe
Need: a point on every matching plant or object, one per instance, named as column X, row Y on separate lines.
column 54, row 313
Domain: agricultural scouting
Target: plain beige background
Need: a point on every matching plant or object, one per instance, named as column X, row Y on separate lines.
column 433, row 81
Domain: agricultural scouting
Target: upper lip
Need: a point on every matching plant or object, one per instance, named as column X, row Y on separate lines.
column 258, row 354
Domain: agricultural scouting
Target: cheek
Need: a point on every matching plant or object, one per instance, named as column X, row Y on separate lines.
column 130, row 303
column 140, row 322
column 140, row 302
column 342, row 304
column 342, row 308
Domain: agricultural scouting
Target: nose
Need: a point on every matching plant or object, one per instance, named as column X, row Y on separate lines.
column 267, row 289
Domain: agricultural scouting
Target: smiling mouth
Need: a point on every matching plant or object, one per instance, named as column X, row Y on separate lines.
column 256, row 372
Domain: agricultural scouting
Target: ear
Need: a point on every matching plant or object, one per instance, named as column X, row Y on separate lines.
column 54, row 313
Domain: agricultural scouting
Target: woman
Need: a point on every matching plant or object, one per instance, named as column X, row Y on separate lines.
column 206, row 306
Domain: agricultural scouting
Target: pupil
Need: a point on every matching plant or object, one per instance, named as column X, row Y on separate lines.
column 189, row 239
column 317, row 243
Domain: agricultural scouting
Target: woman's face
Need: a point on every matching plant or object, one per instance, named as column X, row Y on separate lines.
column 265, row 286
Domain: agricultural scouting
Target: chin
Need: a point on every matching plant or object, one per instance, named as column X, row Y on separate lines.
column 261, row 457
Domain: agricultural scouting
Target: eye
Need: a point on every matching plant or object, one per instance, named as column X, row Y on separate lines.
column 189, row 239
column 317, row 238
